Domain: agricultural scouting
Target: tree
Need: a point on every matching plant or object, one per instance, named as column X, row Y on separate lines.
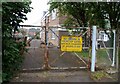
column 111, row 11
column 76, row 10
column 13, row 14
column 79, row 12
column 88, row 14
column 94, row 12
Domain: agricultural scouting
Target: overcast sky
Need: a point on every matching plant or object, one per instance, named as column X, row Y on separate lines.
column 34, row 17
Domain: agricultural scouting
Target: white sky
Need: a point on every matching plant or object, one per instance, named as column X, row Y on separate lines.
column 34, row 17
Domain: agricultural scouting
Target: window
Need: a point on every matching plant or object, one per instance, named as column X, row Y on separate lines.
column 53, row 14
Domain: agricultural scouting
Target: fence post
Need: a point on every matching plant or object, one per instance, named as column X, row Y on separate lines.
column 93, row 49
column 113, row 63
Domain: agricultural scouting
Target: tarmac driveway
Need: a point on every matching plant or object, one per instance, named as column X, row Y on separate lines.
column 34, row 58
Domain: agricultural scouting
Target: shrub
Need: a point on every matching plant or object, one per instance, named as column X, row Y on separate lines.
column 13, row 14
column 11, row 58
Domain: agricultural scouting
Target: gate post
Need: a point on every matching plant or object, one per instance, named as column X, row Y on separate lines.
column 113, row 63
column 46, row 64
column 93, row 59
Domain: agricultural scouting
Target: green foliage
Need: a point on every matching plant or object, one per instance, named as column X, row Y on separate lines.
column 0, row 76
column 111, row 11
column 69, row 22
column 101, row 53
column 93, row 13
column 13, row 14
column 84, row 54
column 76, row 10
column 11, row 58
column 98, row 75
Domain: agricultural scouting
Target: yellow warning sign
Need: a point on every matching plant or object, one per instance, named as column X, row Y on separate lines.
column 71, row 43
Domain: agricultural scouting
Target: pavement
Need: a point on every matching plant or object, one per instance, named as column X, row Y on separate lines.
column 53, row 76
column 34, row 59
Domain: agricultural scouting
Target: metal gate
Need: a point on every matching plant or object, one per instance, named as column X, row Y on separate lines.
column 47, row 54
column 57, row 59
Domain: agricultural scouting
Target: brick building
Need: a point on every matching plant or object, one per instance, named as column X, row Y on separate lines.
column 53, row 24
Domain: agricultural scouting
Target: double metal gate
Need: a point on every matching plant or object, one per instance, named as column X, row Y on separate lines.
column 47, row 53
